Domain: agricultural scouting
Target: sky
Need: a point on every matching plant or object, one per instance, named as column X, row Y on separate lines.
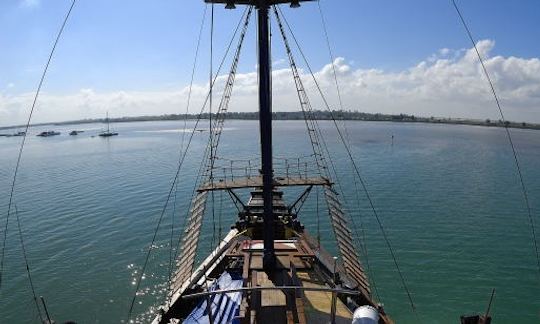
column 135, row 57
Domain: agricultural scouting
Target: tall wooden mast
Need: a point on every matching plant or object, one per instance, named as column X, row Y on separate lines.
column 265, row 114
column 265, row 122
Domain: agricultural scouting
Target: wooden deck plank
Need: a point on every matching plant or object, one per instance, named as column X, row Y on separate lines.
column 317, row 305
column 270, row 297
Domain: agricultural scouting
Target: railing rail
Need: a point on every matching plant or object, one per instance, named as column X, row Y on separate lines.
column 230, row 169
column 295, row 288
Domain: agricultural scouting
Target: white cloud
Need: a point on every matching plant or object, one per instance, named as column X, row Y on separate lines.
column 448, row 83
column 30, row 3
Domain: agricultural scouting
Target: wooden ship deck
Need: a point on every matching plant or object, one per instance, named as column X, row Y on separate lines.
column 307, row 284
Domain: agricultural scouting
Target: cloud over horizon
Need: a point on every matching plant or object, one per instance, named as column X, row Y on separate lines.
column 449, row 83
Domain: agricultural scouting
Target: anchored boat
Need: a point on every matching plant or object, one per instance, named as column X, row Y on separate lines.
column 107, row 132
column 48, row 133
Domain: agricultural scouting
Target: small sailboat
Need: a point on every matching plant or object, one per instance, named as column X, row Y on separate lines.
column 107, row 133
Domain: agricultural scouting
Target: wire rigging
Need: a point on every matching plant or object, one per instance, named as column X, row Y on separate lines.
column 211, row 138
column 201, row 172
column 334, row 72
column 190, row 91
column 356, row 169
column 217, row 127
column 361, row 238
column 171, row 238
column 195, row 60
column 317, row 137
column 318, row 217
column 181, row 162
column 209, row 158
column 331, row 53
column 220, row 215
column 28, row 273
column 318, row 142
column 27, row 127
column 508, row 135
column 150, row 248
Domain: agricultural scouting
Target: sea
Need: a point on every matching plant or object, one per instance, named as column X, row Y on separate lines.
column 448, row 198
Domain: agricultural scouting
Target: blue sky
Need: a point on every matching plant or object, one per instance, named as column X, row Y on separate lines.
column 142, row 47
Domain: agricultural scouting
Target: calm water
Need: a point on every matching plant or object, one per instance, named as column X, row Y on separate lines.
column 448, row 196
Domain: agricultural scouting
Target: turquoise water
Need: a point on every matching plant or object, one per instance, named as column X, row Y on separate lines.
column 449, row 198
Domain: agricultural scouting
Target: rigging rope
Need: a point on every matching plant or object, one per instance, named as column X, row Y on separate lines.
column 220, row 214
column 190, row 91
column 304, row 101
column 183, row 154
column 331, row 53
column 201, row 166
column 317, row 137
column 217, row 129
column 181, row 161
column 171, row 238
column 31, row 282
column 211, row 139
column 508, row 135
column 318, row 218
column 212, row 194
column 150, row 248
column 356, row 169
column 359, row 237
column 305, row 105
column 171, row 247
column 27, row 127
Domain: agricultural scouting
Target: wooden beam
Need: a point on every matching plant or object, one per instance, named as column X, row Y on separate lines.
column 256, row 182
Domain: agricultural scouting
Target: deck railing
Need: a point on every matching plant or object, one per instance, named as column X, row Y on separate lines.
column 225, row 169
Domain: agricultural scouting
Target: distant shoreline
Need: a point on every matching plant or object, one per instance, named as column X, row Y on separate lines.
column 298, row 115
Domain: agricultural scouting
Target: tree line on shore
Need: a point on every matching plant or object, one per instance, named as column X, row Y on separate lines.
column 317, row 114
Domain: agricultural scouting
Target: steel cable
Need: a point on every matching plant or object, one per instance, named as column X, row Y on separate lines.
column 508, row 135
column 347, row 137
column 27, row 127
column 356, row 169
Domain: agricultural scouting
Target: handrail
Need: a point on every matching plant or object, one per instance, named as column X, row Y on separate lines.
column 226, row 291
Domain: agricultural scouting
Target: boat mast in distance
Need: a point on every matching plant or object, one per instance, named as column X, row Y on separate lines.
column 108, row 132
